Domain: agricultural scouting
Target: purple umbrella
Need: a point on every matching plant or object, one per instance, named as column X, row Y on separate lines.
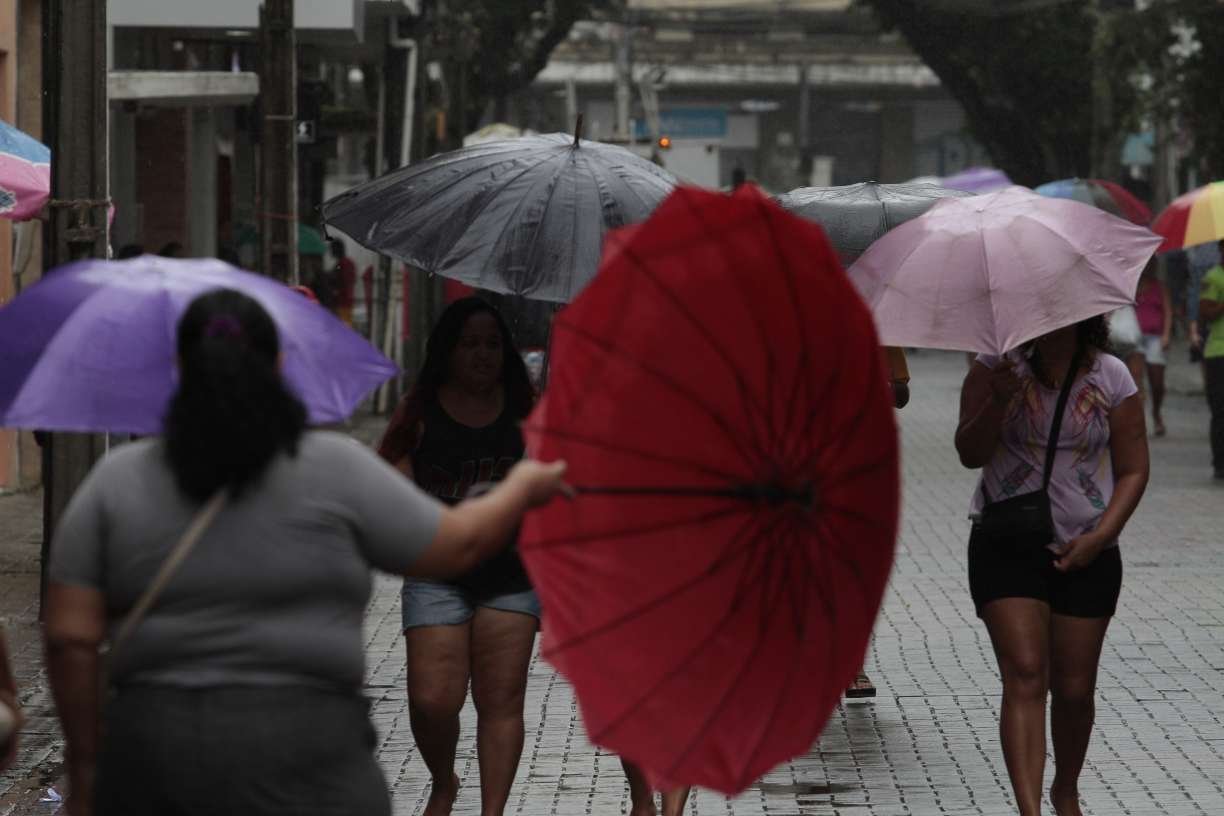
column 978, row 180
column 91, row 347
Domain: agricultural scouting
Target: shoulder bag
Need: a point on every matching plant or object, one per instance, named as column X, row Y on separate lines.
column 1026, row 522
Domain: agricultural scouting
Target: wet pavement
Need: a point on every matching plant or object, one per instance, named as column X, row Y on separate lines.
column 928, row 743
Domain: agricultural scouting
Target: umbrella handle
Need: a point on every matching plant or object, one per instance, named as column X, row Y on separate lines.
column 766, row 493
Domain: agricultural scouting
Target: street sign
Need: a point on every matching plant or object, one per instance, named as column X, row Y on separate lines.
column 305, row 133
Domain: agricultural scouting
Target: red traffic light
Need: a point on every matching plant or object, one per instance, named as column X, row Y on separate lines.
column 664, row 142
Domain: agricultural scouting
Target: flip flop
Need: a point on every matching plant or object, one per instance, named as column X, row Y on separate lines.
column 861, row 687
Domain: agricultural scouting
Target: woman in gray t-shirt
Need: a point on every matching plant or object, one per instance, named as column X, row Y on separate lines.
column 240, row 691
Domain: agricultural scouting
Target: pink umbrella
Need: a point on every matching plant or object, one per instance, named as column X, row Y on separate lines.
column 25, row 174
column 991, row 272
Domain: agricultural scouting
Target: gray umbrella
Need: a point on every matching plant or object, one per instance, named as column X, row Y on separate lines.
column 522, row 216
column 856, row 215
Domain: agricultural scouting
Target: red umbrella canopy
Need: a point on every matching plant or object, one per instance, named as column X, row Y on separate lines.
column 719, row 395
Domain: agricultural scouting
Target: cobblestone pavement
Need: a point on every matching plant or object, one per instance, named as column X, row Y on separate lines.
column 927, row 744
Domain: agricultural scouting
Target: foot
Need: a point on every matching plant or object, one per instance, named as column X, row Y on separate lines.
column 1159, row 426
column 442, row 798
column 1065, row 802
column 861, row 687
column 646, row 808
column 1219, row 475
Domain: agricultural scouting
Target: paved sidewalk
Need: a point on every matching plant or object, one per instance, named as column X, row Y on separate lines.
column 927, row 745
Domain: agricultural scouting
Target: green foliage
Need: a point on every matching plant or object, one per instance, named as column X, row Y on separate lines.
column 1024, row 78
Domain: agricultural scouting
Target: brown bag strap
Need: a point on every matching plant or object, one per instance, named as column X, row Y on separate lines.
column 199, row 524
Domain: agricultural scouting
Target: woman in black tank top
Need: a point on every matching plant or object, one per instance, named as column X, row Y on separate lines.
column 457, row 429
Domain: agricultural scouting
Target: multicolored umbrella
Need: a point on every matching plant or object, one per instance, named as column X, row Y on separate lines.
column 25, row 174
column 991, row 272
column 1111, row 197
column 1194, row 218
column 719, row 395
column 91, row 346
column 978, row 180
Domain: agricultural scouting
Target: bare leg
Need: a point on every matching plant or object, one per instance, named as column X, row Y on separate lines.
column 1075, row 651
column 641, row 797
column 501, row 655
column 1156, row 377
column 438, row 660
column 1020, row 632
column 675, row 800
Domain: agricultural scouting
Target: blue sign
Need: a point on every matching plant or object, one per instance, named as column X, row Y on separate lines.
column 686, row 123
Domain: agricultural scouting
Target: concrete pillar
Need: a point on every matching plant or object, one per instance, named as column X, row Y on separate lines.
column 896, row 143
column 202, row 183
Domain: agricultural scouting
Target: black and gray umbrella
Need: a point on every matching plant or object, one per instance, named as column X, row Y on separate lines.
column 522, row 216
column 856, row 215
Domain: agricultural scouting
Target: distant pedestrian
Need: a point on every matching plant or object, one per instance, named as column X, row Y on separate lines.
column 239, row 691
column 459, row 426
column 1044, row 567
column 1154, row 309
column 641, row 795
column 1211, row 315
column 344, row 278
column 898, row 383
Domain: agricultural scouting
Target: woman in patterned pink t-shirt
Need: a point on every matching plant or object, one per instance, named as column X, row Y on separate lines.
column 1047, row 607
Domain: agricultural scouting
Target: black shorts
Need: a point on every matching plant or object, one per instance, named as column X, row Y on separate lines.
column 996, row 571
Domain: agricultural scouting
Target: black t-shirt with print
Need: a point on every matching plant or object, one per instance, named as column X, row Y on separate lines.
column 450, row 459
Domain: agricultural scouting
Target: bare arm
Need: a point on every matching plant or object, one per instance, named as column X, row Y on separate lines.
column 1129, row 450
column 476, row 529
column 984, row 400
column 75, row 627
column 1210, row 310
column 1167, row 300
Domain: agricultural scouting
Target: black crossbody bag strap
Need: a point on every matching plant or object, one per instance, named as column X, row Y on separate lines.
column 1056, row 427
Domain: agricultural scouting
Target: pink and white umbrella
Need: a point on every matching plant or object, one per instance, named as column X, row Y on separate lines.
column 991, row 272
column 25, row 174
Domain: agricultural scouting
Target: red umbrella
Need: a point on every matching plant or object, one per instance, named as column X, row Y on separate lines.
column 718, row 393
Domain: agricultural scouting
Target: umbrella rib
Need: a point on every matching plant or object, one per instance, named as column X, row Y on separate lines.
column 551, row 185
column 733, row 553
column 782, row 695
column 771, row 368
column 743, row 584
column 630, row 532
column 841, row 438
column 774, row 604
column 802, row 368
column 711, row 340
column 609, row 447
column 752, row 458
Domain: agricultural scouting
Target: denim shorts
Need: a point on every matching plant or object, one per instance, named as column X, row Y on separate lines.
column 433, row 603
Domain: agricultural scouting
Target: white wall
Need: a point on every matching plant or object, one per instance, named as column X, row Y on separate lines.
column 236, row 14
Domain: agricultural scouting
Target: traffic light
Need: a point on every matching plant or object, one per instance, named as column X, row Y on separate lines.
column 664, row 142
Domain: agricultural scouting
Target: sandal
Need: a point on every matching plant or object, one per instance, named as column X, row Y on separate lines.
column 861, row 687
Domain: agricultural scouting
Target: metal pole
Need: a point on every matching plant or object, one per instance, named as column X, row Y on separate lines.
column 278, row 145
column 624, row 74
column 75, row 127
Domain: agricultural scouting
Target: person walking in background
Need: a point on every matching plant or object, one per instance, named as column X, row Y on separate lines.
column 641, row 795
column 1154, row 309
column 1201, row 259
column 459, row 426
column 1059, row 425
column 1211, row 316
column 240, row 689
column 898, row 382
column 344, row 278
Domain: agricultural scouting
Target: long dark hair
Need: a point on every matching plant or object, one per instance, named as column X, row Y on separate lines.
column 1091, row 338
column 400, row 438
column 232, row 412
